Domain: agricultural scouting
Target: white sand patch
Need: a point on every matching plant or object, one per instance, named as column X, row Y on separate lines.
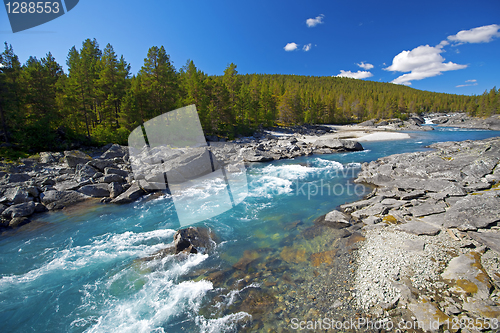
column 358, row 133
column 383, row 136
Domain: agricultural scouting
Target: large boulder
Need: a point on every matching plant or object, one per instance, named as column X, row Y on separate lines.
column 130, row 195
column 101, row 164
column 186, row 165
column 193, row 240
column 67, row 185
column 20, row 210
column 370, row 122
column 59, row 199
column 115, row 189
column 17, row 195
column 49, row 157
column 114, row 171
column 252, row 155
column 95, row 190
column 116, row 151
column 85, row 171
column 17, row 177
column 193, row 164
column 338, row 144
column 336, row 219
column 111, row 178
column 75, row 157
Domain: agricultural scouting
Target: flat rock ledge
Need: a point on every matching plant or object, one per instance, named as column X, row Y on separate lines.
column 432, row 229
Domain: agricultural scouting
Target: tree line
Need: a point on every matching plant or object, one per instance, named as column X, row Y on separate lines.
column 99, row 101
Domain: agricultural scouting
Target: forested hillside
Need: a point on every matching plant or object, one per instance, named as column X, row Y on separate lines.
column 99, row 101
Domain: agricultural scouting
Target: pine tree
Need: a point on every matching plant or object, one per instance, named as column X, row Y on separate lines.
column 111, row 87
column 159, row 81
column 10, row 99
column 40, row 80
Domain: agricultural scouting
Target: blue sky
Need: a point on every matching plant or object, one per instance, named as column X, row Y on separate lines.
column 443, row 46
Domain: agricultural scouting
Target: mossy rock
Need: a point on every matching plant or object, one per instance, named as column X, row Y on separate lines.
column 389, row 219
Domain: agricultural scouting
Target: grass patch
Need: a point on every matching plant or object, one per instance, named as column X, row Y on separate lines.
column 10, row 155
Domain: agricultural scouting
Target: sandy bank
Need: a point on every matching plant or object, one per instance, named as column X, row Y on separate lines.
column 359, row 133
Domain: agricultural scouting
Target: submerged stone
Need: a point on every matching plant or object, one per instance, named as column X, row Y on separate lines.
column 292, row 255
column 325, row 257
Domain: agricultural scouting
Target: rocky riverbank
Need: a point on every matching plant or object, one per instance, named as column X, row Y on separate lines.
column 432, row 252
column 54, row 181
column 413, row 123
column 462, row 120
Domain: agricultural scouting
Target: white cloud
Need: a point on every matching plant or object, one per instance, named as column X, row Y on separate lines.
column 307, row 47
column 469, row 83
column 355, row 75
column 484, row 34
column 422, row 62
column 291, row 46
column 443, row 43
column 312, row 22
column 365, row 66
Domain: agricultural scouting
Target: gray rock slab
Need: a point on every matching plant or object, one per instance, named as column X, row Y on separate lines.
column 411, row 195
column 427, row 314
column 350, row 207
column 393, row 203
column 482, row 308
column 49, row 157
column 376, row 209
column 417, row 227
column 427, row 209
column 477, row 210
column 468, row 267
column 416, row 245
column 478, row 186
column 490, row 239
column 371, row 220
